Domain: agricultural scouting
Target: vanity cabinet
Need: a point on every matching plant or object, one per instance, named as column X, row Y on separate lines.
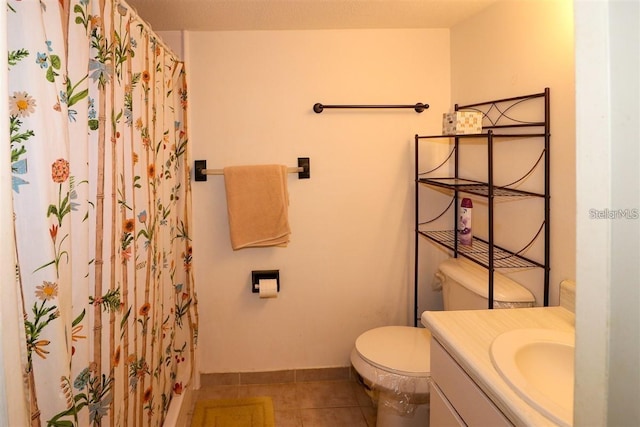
column 456, row 400
column 518, row 120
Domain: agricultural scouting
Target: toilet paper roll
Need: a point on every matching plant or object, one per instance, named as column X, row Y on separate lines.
column 268, row 288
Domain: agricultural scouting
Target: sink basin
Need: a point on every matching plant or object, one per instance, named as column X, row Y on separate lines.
column 538, row 364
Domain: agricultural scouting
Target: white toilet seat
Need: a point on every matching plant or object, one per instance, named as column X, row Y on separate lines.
column 396, row 358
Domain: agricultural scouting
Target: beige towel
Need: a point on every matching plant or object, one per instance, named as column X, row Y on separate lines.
column 257, row 204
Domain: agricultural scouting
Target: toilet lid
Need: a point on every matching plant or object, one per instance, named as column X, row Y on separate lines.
column 397, row 348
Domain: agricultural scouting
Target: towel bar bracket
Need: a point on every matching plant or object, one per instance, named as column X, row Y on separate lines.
column 199, row 167
column 304, row 163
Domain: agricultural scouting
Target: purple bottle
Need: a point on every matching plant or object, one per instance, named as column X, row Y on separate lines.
column 464, row 222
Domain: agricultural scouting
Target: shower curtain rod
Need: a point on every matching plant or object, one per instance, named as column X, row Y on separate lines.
column 147, row 27
column 419, row 107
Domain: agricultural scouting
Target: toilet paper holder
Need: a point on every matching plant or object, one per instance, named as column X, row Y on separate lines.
column 258, row 275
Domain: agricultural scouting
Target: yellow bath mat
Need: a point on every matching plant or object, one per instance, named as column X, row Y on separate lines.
column 250, row 412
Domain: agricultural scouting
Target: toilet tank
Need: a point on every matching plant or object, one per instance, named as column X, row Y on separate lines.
column 465, row 286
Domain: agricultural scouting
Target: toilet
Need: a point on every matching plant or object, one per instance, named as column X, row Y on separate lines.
column 393, row 362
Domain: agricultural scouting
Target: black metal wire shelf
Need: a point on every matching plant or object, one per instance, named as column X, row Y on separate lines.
column 478, row 251
column 508, row 120
column 476, row 187
column 508, row 135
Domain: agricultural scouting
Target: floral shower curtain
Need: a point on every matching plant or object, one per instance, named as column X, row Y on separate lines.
column 101, row 191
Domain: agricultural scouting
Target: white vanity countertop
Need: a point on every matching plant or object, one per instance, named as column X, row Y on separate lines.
column 467, row 336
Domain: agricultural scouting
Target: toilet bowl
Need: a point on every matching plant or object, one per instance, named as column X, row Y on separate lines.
column 394, row 361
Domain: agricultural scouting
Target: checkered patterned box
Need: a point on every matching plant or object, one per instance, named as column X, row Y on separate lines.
column 462, row 123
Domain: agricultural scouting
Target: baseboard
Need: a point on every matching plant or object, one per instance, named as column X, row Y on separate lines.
column 276, row 377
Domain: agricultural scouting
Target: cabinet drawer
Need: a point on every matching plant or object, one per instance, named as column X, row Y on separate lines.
column 469, row 401
column 442, row 414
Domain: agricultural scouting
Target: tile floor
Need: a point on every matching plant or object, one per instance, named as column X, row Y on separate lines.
column 307, row 401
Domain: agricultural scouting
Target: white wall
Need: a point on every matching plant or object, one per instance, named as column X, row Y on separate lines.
column 349, row 265
column 624, row 337
column 608, row 297
column 517, row 48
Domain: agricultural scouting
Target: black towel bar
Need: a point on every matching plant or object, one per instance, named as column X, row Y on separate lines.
column 419, row 107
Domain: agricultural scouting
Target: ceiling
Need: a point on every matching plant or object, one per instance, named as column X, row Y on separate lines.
column 211, row 15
